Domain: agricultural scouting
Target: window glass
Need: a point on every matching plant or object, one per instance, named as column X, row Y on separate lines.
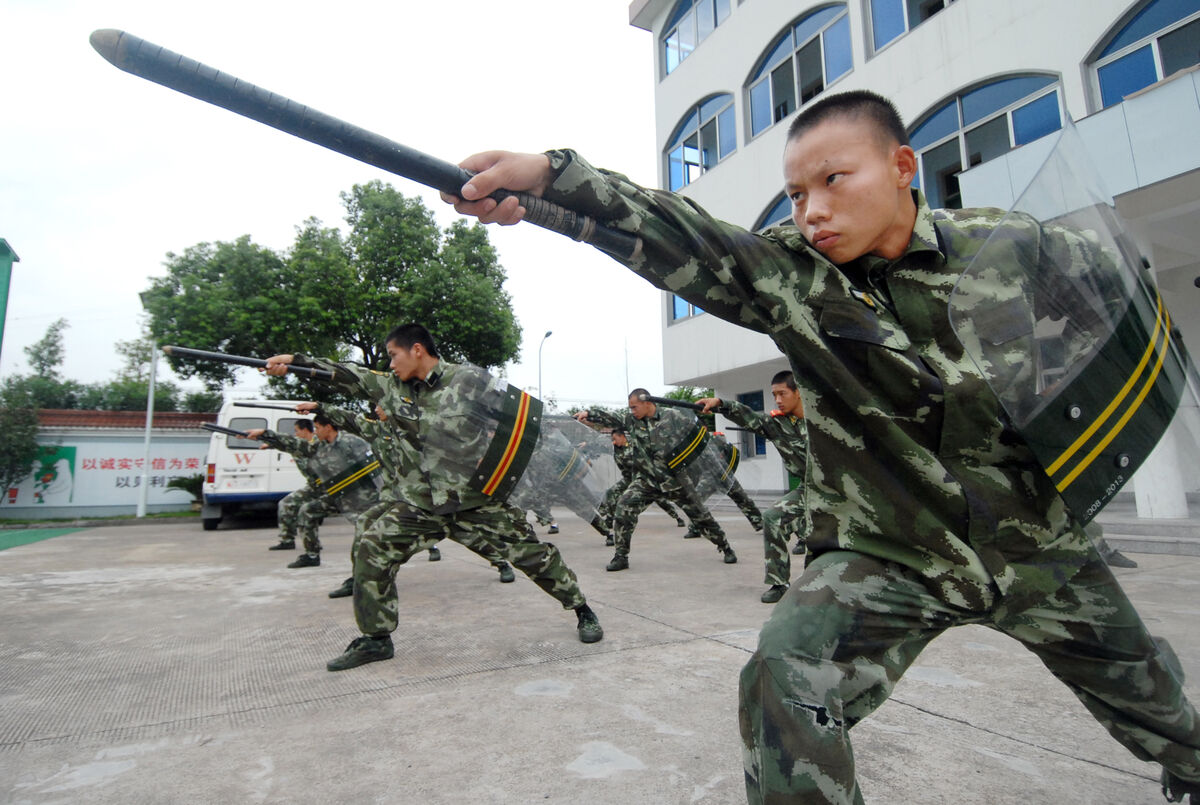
column 687, row 35
column 887, row 21
column 286, row 425
column 728, row 131
column 671, row 49
column 760, row 106
column 1126, row 76
column 679, row 308
column 675, row 169
column 1180, row 48
column 691, row 159
column 704, row 19
column 921, row 10
column 783, row 92
column 1036, row 119
column 686, row 127
column 991, row 98
column 810, row 25
column 838, row 56
column 941, row 123
column 780, row 212
column 708, row 148
column 751, row 443
column 987, row 141
column 941, row 167
column 244, row 423
column 1154, row 17
column 808, row 66
column 711, row 107
column 722, row 10
column 783, row 49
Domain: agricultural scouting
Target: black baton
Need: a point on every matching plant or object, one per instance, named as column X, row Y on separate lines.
column 259, row 363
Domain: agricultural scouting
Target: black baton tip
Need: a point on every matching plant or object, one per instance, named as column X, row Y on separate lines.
column 105, row 41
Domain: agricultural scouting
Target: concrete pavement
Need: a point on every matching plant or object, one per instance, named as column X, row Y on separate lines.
column 167, row 664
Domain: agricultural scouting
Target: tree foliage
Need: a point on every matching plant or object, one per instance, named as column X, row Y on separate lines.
column 18, row 433
column 338, row 295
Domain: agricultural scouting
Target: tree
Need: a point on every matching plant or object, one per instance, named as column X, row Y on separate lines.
column 338, row 296
column 18, row 433
column 45, row 388
column 46, row 355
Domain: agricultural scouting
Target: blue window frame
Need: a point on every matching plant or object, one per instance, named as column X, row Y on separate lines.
column 1158, row 40
column 891, row 18
column 689, row 24
column 800, row 63
column 978, row 125
column 751, row 443
column 707, row 135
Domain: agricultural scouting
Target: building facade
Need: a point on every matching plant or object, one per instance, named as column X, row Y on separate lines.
column 985, row 88
column 94, row 464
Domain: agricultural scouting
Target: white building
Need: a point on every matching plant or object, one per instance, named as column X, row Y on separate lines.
column 983, row 85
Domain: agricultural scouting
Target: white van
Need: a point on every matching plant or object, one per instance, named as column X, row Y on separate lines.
column 240, row 476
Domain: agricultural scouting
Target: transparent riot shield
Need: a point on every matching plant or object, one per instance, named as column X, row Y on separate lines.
column 571, row 466
column 1059, row 312
column 708, row 461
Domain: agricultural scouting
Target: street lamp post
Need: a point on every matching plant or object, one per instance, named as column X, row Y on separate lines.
column 547, row 335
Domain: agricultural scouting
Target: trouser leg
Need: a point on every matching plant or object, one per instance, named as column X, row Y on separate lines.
column 1091, row 638
column 669, row 509
column 385, row 544
column 684, row 495
column 308, row 520
column 747, row 506
column 785, row 518
column 288, row 509
column 630, row 505
column 506, row 529
column 829, row 655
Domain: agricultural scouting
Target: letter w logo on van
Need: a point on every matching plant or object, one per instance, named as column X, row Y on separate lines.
column 243, row 458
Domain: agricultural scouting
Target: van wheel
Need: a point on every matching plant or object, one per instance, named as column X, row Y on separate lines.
column 210, row 523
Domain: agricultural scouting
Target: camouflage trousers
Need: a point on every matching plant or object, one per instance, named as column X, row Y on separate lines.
column 747, row 506
column 608, row 507
column 851, row 625
column 786, row 518
column 482, row 547
column 300, row 514
column 680, row 491
column 401, row 531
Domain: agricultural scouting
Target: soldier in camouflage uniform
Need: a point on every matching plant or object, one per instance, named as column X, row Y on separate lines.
column 928, row 509
column 655, row 434
column 336, row 461
column 784, row 427
column 397, row 462
column 288, row 508
column 434, row 405
column 627, row 462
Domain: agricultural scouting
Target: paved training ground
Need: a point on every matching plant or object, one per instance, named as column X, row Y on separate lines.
column 161, row 663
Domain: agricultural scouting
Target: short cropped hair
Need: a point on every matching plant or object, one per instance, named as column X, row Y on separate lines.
column 321, row 419
column 636, row 394
column 857, row 104
column 406, row 335
column 304, row 424
column 785, row 377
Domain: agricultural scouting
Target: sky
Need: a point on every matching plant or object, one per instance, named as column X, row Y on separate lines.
column 105, row 173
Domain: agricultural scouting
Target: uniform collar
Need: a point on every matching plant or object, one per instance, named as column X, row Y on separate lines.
column 924, row 239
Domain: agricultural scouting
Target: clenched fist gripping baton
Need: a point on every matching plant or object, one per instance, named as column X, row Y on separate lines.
column 157, row 64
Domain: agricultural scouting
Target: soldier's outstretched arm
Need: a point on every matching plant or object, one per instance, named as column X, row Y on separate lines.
column 501, row 170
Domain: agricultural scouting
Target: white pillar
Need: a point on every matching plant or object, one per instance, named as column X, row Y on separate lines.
column 145, row 489
column 1158, row 486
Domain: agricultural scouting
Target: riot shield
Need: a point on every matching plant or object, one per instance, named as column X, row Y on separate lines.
column 571, row 465
column 708, row 460
column 1058, row 312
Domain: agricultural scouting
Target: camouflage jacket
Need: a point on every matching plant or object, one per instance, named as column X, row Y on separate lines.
column 328, row 461
column 301, row 450
column 641, row 453
column 910, row 456
column 785, row 431
column 398, row 460
column 448, row 419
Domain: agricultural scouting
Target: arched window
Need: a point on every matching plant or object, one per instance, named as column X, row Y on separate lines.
column 1158, row 40
column 979, row 125
column 811, row 54
column 890, row 18
column 706, row 136
column 780, row 212
column 689, row 23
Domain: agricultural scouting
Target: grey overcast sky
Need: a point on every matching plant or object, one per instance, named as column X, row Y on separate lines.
column 105, row 173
